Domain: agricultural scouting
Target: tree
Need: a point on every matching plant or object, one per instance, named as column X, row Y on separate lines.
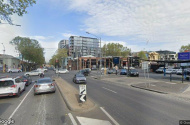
column 61, row 53
column 142, row 55
column 185, row 48
column 29, row 48
column 10, row 7
column 115, row 49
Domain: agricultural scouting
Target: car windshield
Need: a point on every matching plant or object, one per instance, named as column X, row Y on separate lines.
column 41, row 81
column 6, row 83
column 123, row 70
column 79, row 75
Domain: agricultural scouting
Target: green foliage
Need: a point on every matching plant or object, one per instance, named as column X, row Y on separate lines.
column 61, row 53
column 29, row 48
column 10, row 7
column 142, row 55
column 185, row 48
column 115, row 49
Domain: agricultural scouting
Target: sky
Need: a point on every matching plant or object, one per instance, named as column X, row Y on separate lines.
column 149, row 25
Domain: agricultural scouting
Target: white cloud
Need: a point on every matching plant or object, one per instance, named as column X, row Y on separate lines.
column 156, row 20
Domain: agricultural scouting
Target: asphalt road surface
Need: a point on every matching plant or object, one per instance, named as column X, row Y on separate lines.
column 44, row 109
column 133, row 106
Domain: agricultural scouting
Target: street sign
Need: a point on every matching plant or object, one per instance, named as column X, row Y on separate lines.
column 144, row 65
column 115, row 60
column 82, row 89
column 82, row 98
column 184, row 56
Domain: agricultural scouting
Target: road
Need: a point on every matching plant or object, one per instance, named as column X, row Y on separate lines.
column 133, row 106
column 44, row 109
column 124, row 104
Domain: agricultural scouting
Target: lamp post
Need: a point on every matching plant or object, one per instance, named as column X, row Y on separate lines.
column 100, row 51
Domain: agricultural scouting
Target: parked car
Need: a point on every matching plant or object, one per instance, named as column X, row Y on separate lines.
column 84, row 72
column 104, row 68
column 11, row 86
column 26, row 79
column 44, row 85
column 170, row 71
column 88, row 69
column 123, row 72
column 133, row 72
column 45, row 70
column 34, row 73
column 14, row 70
column 62, row 71
column 112, row 71
column 179, row 72
column 161, row 70
column 79, row 78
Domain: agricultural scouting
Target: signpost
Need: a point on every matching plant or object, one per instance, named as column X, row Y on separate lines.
column 82, row 93
column 184, row 56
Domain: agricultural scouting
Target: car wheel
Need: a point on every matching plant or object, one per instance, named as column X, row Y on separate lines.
column 53, row 92
column 10, row 71
column 27, row 75
column 18, row 94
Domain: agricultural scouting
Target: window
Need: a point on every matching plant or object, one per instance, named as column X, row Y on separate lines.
column 18, row 80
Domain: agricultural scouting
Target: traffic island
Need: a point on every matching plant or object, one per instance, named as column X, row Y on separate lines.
column 162, row 87
column 71, row 97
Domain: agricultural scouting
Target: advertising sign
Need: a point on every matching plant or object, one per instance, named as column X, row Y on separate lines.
column 115, row 60
column 184, row 56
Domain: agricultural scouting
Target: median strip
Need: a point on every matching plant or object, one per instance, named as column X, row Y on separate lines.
column 71, row 97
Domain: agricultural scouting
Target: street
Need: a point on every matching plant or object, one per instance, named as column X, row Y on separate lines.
column 125, row 105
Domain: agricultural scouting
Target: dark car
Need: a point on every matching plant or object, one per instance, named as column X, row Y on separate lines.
column 26, row 79
column 79, row 78
column 88, row 70
column 84, row 72
column 133, row 72
column 123, row 72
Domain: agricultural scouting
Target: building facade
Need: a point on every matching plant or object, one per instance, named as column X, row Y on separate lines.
column 83, row 46
column 167, row 55
column 153, row 56
column 63, row 44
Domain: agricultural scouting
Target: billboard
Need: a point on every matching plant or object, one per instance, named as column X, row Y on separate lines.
column 115, row 60
column 184, row 56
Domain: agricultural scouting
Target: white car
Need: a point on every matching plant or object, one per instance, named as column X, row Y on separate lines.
column 62, row 71
column 45, row 70
column 34, row 73
column 11, row 86
column 104, row 68
column 14, row 70
column 170, row 71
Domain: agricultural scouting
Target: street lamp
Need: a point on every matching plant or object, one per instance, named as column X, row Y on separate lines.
column 100, row 50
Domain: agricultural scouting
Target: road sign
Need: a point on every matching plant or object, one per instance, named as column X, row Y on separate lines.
column 115, row 60
column 144, row 65
column 82, row 98
column 82, row 89
column 184, row 56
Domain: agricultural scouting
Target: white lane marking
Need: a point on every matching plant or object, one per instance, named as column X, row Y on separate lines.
column 112, row 119
column 109, row 90
column 20, row 104
column 90, row 121
column 72, row 119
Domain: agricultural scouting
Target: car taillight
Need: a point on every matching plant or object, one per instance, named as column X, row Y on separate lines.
column 37, row 86
column 25, row 80
column 52, row 84
column 13, row 86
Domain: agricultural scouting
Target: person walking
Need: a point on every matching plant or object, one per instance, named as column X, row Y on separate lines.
column 116, row 68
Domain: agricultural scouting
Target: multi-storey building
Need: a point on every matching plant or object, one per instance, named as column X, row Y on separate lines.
column 63, row 44
column 167, row 55
column 83, row 46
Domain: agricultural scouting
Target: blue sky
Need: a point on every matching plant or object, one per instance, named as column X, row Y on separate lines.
column 164, row 24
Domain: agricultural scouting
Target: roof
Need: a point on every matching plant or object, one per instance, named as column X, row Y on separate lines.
column 166, row 52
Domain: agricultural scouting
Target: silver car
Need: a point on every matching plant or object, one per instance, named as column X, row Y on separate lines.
column 79, row 78
column 44, row 85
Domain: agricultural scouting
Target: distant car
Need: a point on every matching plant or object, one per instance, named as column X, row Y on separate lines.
column 133, row 72
column 11, row 86
column 161, row 70
column 179, row 72
column 14, row 70
column 88, row 69
column 79, row 78
column 84, row 72
column 45, row 70
column 123, row 72
column 40, row 69
column 170, row 71
column 44, row 85
column 34, row 73
column 112, row 71
column 62, row 71
column 26, row 79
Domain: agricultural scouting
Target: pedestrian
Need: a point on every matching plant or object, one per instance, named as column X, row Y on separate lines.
column 116, row 68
